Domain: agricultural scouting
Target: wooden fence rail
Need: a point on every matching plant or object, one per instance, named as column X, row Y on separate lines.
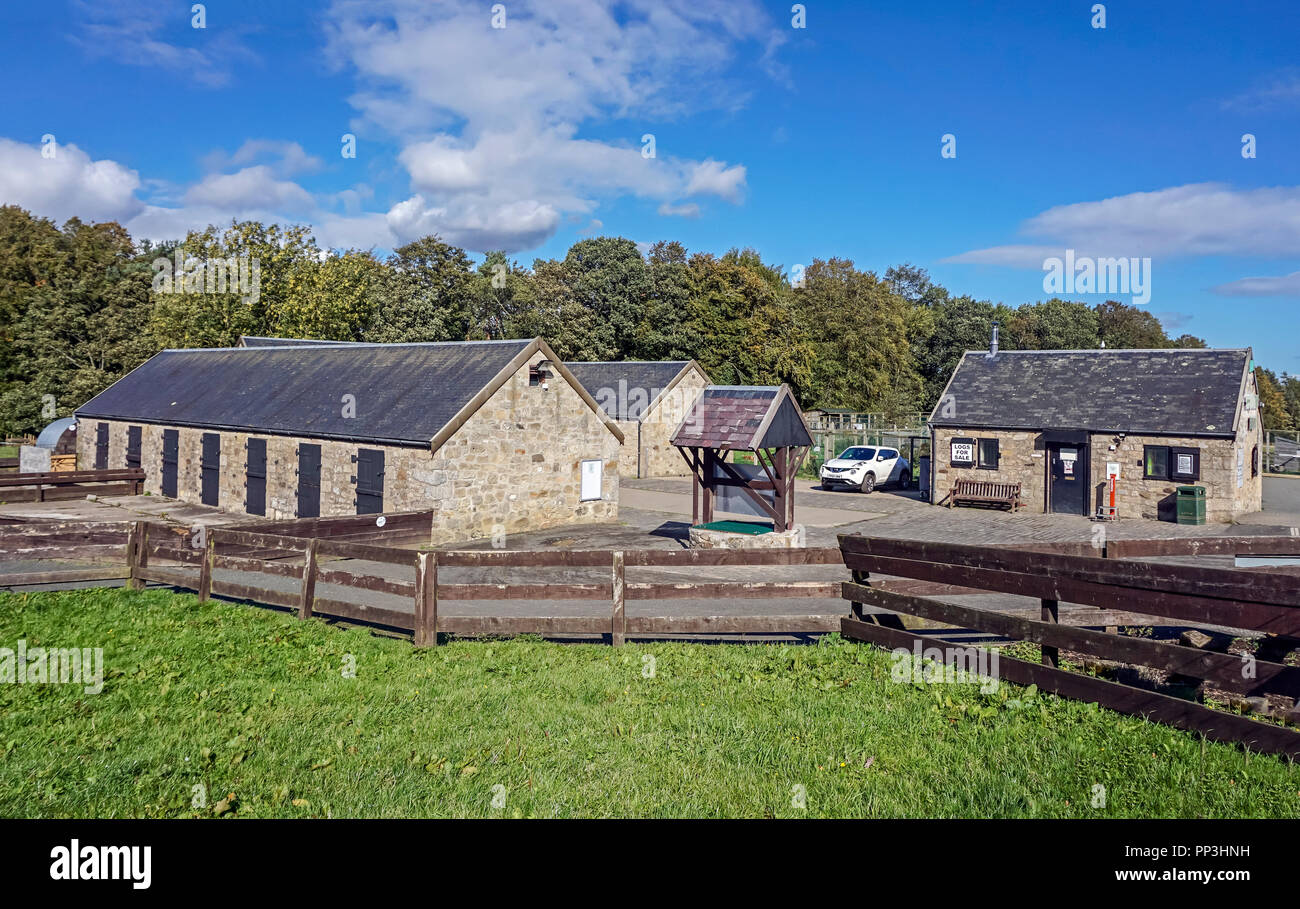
column 1254, row 601
column 69, row 484
column 337, row 562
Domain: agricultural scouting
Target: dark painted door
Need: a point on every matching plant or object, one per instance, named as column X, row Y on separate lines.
column 370, row 481
column 210, row 463
column 308, row 481
column 101, row 446
column 171, row 456
column 1067, row 481
column 133, row 434
column 255, row 477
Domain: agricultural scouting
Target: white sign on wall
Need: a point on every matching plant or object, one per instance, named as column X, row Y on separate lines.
column 963, row 451
column 592, row 474
column 1241, row 467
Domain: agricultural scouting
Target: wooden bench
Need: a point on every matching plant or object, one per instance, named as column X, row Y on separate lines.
column 983, row 492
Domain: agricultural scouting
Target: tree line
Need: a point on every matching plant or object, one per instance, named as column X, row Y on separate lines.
column 83, row 304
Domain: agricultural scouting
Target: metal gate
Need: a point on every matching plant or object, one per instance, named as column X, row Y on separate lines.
column 255, row 477
column 133, row 434
column 370, row 480
column 101, row 446
column 170, row 457
column 308, row 481
column 210, row 464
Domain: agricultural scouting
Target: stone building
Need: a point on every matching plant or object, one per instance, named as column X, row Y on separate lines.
column 647, row 400
column 1060, row 423
column 493, row 436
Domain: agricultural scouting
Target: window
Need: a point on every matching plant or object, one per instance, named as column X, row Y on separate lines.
column 1254, row 462
column 988, row 452
column 1156, row 461
column 1161, row 462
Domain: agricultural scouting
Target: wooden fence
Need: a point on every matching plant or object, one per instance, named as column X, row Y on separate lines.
column 156, row 554
column 69, row 484
column 1190, row 595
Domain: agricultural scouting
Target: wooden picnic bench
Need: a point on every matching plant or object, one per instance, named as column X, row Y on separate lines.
column 984, row 492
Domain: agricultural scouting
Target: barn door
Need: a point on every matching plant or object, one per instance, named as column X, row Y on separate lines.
column 255, row 477
column 101, row 446
column 133, row 434
column 370, row 481
column 170, row 456
column 308, row 481
column 210, row 462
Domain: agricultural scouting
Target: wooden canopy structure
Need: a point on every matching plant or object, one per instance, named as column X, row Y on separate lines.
column 764, row 420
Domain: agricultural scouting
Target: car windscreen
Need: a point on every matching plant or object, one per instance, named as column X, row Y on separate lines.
column 858, row 454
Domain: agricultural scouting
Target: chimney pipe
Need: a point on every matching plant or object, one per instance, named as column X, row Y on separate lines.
column 993, row 343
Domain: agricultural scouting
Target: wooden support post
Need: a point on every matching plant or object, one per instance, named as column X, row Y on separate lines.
column 426, row 599
column 1049, row 613
column 205, row 569
column 309, row 569
column 707, row 471
column 859, row 577
column 618, row 623
column 695, row 487
column 134, row 546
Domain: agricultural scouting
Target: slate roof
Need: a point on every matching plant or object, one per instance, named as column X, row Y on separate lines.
column 1157, row 392
column 625, row 388
column 743, row 418
column 256, row 341
column 405, row 393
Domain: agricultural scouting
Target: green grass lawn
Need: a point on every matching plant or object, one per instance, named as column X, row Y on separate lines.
column 236, row 699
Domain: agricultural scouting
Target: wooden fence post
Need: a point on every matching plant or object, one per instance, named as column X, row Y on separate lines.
column 309, row 569
column 205, row 569
column 426, row 599
column 618, row 623
column 1049, row 613
column 134, row 545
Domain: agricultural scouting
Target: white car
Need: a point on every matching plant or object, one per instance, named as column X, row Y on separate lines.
column 865, row 468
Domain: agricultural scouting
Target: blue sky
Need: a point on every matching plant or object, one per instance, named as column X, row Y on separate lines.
column 801, row 142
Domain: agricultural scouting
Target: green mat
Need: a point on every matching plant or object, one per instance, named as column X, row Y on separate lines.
column 750, row 527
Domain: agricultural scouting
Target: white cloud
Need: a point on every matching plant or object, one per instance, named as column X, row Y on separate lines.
column 286, row 159
column 688, row 210
column 716, row 179
column 67, row 184
column 1198, row 219
column 133, row 32
column 489, row 118
column 248, row 189
column 1279, row 90
column 1269, row 286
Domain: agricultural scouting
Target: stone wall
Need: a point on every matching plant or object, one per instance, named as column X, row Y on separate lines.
column 514, row 466
column 1023, row 459
column 659, row 457
column 646, row 451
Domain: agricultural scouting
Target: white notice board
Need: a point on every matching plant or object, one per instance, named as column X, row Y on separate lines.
column 592, row 474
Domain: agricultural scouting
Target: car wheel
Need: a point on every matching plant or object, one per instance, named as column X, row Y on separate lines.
column 905, row 481
column 868, row 482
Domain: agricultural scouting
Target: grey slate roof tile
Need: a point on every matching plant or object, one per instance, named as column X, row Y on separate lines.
column 1170, row 392
column 405, row 393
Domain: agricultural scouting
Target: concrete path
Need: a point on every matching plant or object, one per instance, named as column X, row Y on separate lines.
column 679, row 504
